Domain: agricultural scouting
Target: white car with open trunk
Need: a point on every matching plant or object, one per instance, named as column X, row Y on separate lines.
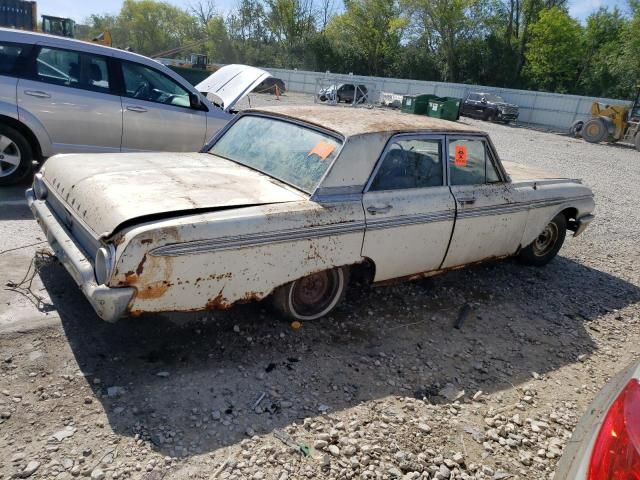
column 288, row 201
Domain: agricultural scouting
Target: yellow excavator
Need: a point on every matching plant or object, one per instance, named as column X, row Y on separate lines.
column 611, row 123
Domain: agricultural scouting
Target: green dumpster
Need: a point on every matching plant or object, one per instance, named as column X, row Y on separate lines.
column 417, row 104
column 447, row 108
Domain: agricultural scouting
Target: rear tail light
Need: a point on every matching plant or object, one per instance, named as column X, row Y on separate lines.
column 616, row 453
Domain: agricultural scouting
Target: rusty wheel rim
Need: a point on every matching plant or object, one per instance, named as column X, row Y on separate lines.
column 546, row 240
column 315, row 295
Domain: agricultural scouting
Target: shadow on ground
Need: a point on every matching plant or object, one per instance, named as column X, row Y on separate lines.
column 397, row 340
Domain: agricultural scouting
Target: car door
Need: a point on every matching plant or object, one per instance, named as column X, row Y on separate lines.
column 409, row 209
column 10, row 55
column 468, row 106
column 71, row 94
column 157, row 114
column 490, row 213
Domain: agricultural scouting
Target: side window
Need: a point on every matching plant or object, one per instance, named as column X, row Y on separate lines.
column 470, row 163
column 145, row 83
column 72, row 69
column 414, row 163
column 9, row 55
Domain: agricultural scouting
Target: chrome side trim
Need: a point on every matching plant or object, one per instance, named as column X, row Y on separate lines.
column 516, row 207
column 252, row 240
column 381, row 223
column 279, row 236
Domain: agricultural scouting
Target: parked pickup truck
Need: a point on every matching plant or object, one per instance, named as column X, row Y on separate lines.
column 488, row 106
column 287, row 202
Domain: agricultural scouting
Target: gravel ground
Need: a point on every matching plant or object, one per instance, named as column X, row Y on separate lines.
column 384, row 388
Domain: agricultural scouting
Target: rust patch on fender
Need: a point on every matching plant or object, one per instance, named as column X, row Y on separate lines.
column 153, row 290
column 218, row 303
column 140, row 268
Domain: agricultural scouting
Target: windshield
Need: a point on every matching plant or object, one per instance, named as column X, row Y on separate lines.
column 493, row 98
column 291, row 153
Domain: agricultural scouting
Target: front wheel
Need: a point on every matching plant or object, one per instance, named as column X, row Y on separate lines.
column 313, row 296
column 546, row 246
column 594, row 130
column 16, row 156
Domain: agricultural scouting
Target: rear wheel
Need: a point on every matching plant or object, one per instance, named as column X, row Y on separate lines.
column 16, row 156
column 313, row 296
column 594, row 130
column 546, row 246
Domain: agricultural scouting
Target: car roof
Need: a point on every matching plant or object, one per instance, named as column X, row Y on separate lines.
column 351, row 121
column 23, row 36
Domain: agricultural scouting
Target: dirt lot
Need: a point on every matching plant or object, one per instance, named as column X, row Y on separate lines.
column 385, row 388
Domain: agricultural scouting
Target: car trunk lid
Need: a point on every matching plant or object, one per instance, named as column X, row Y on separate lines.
column 106, row 191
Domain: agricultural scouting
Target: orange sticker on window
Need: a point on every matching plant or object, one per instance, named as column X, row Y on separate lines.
column 322, row 149
column 460, row 156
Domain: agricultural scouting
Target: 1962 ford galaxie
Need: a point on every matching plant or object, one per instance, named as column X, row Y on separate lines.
column 287, row 202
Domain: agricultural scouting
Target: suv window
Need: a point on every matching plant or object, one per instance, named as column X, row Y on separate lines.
column 72, row 69
column 9, row 54
column 470, row 163
column 414, row 163
column 474, row 97
column 145, row 83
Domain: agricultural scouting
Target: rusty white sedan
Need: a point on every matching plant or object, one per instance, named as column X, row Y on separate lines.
column 287, row 202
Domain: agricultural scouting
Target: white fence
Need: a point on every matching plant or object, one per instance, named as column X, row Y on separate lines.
column 541, row 108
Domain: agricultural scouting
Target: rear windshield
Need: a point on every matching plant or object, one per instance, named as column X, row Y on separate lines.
column 294, row 154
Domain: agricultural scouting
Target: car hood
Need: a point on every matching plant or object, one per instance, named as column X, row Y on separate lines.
column 107, row 191
column 505, row 104
column 230, row 83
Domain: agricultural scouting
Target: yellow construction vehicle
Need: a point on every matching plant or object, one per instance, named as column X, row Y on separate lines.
column 63, row 27
column 104, row 38
column 611, row 123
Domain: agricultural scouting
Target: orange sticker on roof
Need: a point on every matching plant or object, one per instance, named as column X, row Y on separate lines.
column 322, row 149
column 460, row 156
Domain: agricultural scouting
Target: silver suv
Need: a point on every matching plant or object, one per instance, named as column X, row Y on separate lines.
column 59, row 95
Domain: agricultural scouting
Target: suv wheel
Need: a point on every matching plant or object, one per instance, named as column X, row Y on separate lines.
column 16, row 156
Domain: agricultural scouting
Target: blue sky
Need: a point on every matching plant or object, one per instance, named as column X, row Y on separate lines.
column 81, row 9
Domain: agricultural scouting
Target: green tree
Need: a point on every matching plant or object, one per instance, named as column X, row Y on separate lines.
column 153, row 26
column 604, row 39
column 368, row 33
column 554, row 52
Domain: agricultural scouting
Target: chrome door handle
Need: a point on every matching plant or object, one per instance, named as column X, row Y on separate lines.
column 133, row 108
column 467, row 201
column 375, row 210
column 37, row 93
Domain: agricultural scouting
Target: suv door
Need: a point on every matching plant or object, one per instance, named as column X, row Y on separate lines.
column 490, row 212
column 409, row 209
column 157, row 114
column 10, row 54
column 71, row 94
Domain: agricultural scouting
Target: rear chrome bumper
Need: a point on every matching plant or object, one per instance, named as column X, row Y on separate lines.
column 582, row 223
column 109, row 303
